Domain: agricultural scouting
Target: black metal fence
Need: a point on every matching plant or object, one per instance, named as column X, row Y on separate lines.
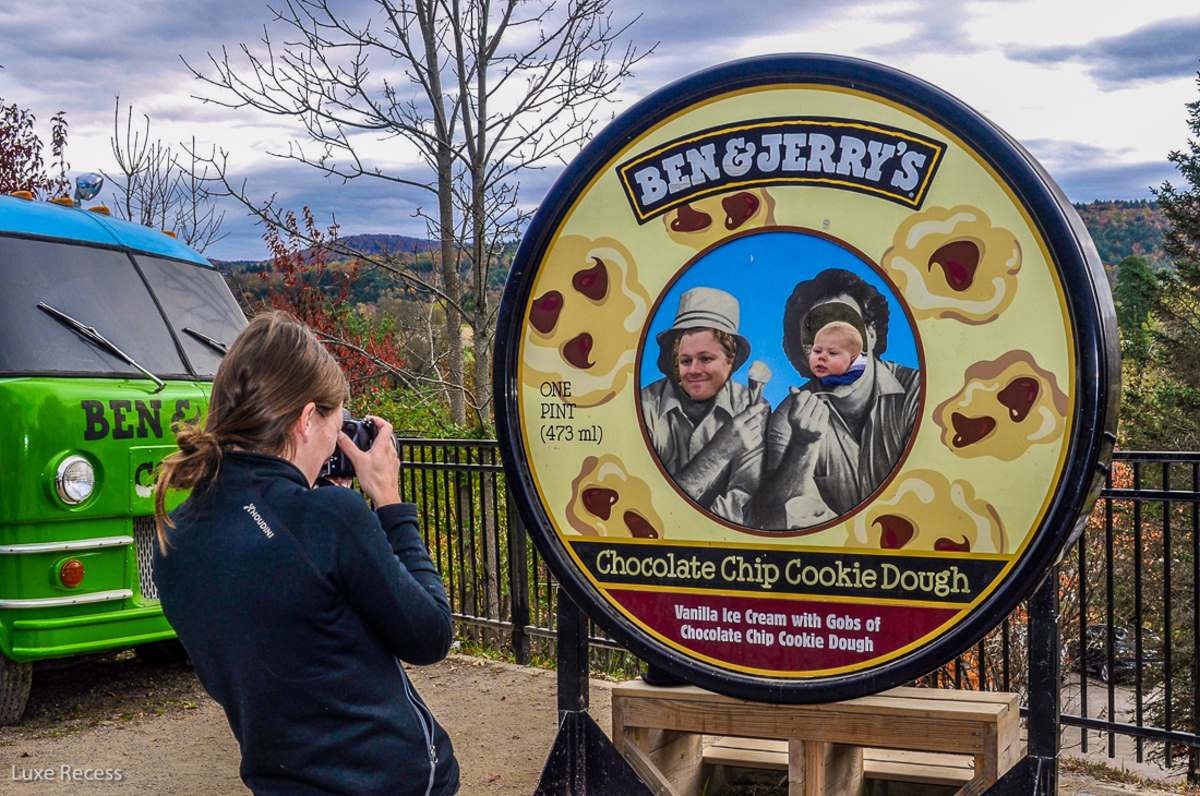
column 1129, row 595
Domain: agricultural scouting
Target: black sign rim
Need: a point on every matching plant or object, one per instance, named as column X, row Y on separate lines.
column 1089, row 303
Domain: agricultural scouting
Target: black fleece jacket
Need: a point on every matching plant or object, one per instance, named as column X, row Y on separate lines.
column 294, row 605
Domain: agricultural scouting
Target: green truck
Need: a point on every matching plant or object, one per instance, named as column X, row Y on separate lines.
column 110, row 335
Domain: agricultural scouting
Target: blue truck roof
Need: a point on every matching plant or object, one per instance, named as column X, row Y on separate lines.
column 49, row 220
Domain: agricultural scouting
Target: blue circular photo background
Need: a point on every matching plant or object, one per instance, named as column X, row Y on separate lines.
column 760, row 271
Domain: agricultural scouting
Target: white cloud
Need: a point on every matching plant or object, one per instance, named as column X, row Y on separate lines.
column 1040, row 69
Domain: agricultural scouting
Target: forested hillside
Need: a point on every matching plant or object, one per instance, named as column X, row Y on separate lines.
column 1121, row 229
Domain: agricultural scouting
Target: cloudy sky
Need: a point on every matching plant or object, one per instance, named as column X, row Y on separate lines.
column 1096, row 90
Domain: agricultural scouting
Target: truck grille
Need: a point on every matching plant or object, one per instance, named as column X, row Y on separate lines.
column 144, row 539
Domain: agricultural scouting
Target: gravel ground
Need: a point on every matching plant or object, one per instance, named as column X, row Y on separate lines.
column 155, row 726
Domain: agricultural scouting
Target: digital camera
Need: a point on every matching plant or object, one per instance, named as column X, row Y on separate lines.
column 362, row 433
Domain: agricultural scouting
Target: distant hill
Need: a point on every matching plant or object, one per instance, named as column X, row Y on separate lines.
column 1120, row 229
column 377, row 243
column 369, row 243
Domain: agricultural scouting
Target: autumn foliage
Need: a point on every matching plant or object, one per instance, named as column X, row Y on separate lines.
column 305, row 280
column 23, row 155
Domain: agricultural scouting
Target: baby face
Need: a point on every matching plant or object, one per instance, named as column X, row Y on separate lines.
column 703, row 364
column 832, row 353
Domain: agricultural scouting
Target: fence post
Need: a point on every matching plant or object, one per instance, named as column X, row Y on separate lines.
column 518, row 581
column 572, row 650
column 1044, row 740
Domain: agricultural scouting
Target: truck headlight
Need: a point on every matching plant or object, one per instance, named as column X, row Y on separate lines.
column 75, row 479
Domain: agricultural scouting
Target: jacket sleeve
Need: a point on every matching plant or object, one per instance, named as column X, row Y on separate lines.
column 389, row 580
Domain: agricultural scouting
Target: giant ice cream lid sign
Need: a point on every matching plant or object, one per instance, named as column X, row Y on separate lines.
column 804, row 376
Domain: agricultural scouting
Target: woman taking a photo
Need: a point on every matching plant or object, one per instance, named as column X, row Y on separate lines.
column 297, row 604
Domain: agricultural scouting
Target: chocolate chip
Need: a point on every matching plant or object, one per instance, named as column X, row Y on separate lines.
column 577, row 349
column 1019, row 396
column 599, row 501
column 689, row 220
column 592, row 282
column 639, row 526
column 896, row 531
column 544, row 312
column 950, row 545
column 958, row 260
column 739, row 208
column 969, row 430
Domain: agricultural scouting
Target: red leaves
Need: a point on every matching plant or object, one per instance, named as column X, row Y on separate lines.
column 308, row 282
column 22, row 162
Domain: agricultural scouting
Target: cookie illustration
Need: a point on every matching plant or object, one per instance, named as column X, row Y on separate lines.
column 608, row 501
column 703, row 222
column 585, row 318
column 924, row 510
column 952, row 263
column 1005, row 406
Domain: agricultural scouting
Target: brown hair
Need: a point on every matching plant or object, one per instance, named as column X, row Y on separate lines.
column 273, row 369
column 723, row 338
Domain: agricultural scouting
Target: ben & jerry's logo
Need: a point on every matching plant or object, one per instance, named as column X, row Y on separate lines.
column 893, row 164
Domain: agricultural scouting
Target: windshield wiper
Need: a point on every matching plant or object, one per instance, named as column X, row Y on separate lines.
column 90, row 333
column 211, row 342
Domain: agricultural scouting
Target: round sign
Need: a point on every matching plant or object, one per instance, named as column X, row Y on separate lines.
column 805, row 374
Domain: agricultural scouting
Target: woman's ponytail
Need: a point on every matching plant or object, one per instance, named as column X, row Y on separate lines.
column 192, row 466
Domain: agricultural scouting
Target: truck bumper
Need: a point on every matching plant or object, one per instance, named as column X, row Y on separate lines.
column 34, row 639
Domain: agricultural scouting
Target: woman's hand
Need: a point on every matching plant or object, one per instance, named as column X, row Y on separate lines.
column 378, row 469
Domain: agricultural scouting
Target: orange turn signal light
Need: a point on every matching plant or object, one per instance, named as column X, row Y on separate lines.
column 71, row 573
column 101, row 209
column 27, row 195
column 65, row 201
column 169, row 233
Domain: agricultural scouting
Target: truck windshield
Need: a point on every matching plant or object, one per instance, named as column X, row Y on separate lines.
column 100, row 286
column 198, row 305
column 103, row 288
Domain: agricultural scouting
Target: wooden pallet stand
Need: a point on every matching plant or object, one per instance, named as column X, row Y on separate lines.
column 936, row 736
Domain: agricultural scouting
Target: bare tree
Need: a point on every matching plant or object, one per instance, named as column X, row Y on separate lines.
column 478, row 91
column 158, row 188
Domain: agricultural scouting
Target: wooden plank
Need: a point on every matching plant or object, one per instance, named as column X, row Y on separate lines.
column 756, row 744
column 816, row 763
column 678, row 756
column 902, row 710
column 960, row 694
column 844, row 770
column 909, row 702
column 770, row 721
column 646, row 769
column 901, row 766
column 934, row 768
column 798, row 773
column 748, row 758
column 824, row 769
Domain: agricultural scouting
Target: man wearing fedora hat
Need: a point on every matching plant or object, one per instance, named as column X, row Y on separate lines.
column 829, row 446
column 706, row 428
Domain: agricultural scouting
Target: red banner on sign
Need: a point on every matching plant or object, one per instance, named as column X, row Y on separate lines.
column 781, row 635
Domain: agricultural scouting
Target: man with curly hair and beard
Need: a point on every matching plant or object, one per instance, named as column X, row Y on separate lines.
column 830, row 444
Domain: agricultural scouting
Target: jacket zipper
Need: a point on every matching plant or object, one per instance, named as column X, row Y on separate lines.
column 426, row 729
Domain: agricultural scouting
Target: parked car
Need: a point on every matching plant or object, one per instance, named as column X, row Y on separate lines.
column 1124, row 652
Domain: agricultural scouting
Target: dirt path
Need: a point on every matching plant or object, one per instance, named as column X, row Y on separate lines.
column 164, row 735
